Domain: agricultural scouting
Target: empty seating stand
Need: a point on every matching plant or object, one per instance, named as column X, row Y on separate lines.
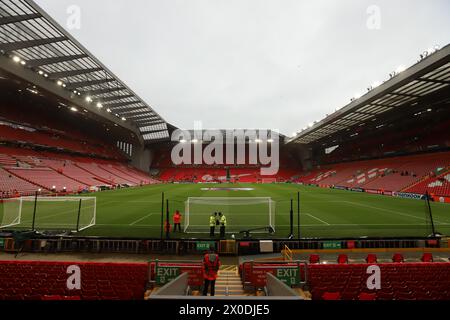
column 24, row 171
column 400, row 281
column 42, row 280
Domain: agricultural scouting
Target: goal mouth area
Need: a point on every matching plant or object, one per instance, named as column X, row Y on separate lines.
column 256, row 214
column 60, row 215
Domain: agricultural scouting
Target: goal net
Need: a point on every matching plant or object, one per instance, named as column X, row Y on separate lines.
column 242, row 213
column 67, row 213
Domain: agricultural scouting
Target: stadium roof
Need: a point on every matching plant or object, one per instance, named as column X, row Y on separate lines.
column 37, row 42
column 430, row 74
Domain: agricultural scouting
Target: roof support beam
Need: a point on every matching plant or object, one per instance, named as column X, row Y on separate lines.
column 82, row 84
column 71, row 73
column 46, row 61
column 154, row 131
column 141, row 115
column 404, row 95
column 115, row 98
column 434, row 81
column 13, row 46
column 105, row 91
column 18, row 18
column 120, row 104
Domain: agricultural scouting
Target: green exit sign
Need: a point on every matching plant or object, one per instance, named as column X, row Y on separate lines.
column 290, row 276
column 205, row 245
column 332, row 245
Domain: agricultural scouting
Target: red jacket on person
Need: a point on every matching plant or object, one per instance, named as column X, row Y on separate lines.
column 211, row 265
column 176, row 218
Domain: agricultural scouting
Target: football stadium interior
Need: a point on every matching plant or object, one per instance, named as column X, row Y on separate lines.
column 87, row 178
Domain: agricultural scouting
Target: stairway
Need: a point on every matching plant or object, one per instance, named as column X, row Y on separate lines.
column 229, row 282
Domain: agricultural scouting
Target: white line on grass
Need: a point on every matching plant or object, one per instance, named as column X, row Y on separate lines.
column 134, row 222
column 392, row 211
column 314, row 217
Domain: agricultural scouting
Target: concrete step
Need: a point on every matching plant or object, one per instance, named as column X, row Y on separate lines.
column 228, row 281
column 228, row 278
column 238, row 287
column 230, row 292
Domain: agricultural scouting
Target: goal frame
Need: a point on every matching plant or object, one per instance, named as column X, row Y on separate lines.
column 18, row 220
column 270, row 203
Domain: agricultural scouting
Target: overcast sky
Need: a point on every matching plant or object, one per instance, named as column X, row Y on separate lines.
column 277, row 64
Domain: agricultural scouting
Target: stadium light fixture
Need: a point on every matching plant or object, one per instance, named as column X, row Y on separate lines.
column 41, row 72
column 108, row 110
column 88, row 99
column 99, row 105
column 45, row 75
column 73, row 109
column 123, row 119
column 16, row 59
column 59, row 83
column 23, row 62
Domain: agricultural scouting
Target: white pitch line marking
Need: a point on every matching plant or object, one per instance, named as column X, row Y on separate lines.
column 134, row 222
column 392, row 211
column 314, row 217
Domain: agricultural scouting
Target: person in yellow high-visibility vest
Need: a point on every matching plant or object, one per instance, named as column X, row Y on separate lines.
column 223, row 224
column 212, row 223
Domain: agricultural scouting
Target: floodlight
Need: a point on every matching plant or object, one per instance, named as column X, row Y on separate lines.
column 16, row 59
column 99, row 105
column 73, row 109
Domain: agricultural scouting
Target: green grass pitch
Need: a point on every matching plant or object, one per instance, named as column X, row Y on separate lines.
column 328, row 213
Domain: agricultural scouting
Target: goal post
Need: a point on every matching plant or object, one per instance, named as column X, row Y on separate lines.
column 242, row 213
column 47, row 213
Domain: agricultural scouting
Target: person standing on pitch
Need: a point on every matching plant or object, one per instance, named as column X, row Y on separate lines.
column 177, row 221
column 210, row 266
column 223, row 224
column 212, row 223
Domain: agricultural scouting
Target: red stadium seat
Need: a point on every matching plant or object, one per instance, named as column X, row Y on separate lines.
column 367, row 296
column 342, row 259
column 314, row 258
column 398, row 257
column 331, row 296
column 427, row 257
column 371, row 258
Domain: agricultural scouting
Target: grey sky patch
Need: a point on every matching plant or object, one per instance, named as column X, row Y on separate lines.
column 252, row 63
